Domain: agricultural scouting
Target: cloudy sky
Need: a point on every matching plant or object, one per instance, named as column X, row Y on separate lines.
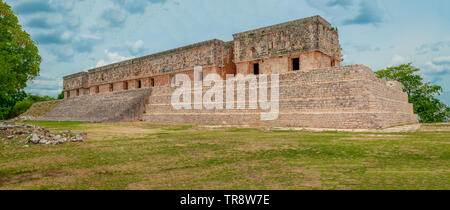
column 76, row 35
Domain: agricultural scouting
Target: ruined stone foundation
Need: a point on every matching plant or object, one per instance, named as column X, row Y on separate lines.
column 348, row 97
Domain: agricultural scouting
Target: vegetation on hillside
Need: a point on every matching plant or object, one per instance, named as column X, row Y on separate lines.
column 420, row 93
column 18, row 103
column 24, row 105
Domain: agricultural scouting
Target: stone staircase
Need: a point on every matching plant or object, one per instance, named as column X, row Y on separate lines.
column 118, row 106
column 348, row 97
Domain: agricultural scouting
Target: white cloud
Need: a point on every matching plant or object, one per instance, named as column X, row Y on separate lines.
column 348, row 12
column 137, row 46
column 438, row 66
column 398, row 59
column 444, row 60
column 66, row 35
column 433, row 68
column 437, row 70
column 113, row 57
column 45, row 83
column 113, row 17
column 89, row 36
column 432, row 47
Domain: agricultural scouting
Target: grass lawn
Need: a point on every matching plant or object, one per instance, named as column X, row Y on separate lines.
column 139, row 155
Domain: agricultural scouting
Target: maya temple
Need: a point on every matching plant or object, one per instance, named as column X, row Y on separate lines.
column 315, row 90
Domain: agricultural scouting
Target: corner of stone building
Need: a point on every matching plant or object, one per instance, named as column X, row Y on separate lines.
column 396, row 85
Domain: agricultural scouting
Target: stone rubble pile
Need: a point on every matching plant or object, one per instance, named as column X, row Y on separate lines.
column 36, row 135
column 23, row 118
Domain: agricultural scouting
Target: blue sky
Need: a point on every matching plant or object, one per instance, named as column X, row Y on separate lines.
column 76, row 35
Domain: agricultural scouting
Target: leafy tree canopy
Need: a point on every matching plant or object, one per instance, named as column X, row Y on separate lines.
column 421, row 94
column 61, row 95
column 19, row 60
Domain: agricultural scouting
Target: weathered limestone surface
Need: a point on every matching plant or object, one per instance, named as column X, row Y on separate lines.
column 213, row 55
column 74, row 81
column 347, row 97
column 119, row 106
column 308, row 34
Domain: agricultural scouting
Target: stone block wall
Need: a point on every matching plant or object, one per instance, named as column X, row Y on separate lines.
column 283, row 64
column 303, row 35
column 156, row 69
column 313, row 40
column 347, row 97
column 76, row 84
column 206, row 54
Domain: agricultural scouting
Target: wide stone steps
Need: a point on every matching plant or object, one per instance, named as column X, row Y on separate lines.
column 307, row 120
column 301, row 105
column 118, row 106
column 346, row 97
column 304, row 105
column 327, row 89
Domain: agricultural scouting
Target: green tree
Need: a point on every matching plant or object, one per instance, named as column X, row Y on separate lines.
column 421, row 94
column 61, row 95
column 7, row 102
column 19, row 59
column 20, row 107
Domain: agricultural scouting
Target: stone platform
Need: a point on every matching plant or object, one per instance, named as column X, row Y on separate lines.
column 348, row 97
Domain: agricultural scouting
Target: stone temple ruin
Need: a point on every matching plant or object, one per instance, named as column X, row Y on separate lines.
column 315, row 90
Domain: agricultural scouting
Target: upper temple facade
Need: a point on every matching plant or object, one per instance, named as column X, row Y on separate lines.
column 299, row 45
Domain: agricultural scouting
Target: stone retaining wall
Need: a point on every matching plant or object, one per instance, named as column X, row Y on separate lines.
column 346, row 97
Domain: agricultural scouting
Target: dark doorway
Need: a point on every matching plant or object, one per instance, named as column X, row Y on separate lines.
column 200, row 75
column 139, row 84
column 152, row 82
column 296, row 64
column 125, row 85
column 256, row 68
